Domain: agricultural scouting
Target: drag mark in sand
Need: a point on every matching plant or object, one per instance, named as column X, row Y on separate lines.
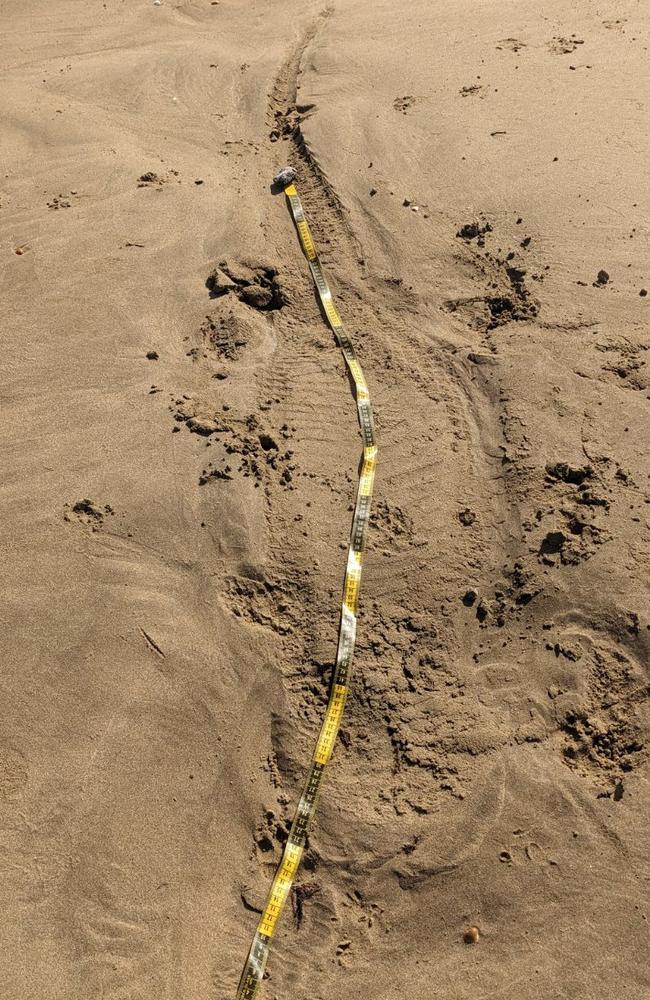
column 284, row 117
column 292, row 855
column 151, row 643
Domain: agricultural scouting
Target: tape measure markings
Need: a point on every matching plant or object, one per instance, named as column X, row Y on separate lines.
column 253, row 972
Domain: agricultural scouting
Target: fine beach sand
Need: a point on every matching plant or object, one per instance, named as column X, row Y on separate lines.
column 179, row 467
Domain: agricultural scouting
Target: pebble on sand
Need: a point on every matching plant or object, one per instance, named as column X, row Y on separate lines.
column 471, row 935
column 285, row 176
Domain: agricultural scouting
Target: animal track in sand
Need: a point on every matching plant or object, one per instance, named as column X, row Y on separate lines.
column 300, row 893
column 474, row 90
column 570, row 530
column 269, row 839
column 226, row 334
column 603, row 727
column 271, row 601
column 628, row 368
column 60, row 201
column 504, row 271
column 234, row 337
column 487, row 312
column 512, row 44
column 271, row 834
column 87, row 512
column 404, row 104
column 258, row 456
column 391, row 527
column 257, row 285
column 522, row 852
column 560, row 45
column 359, row 919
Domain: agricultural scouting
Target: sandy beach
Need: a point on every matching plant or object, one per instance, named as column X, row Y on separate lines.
column 180, row 457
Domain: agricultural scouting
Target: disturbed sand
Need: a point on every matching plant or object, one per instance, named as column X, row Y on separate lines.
column 179, row 468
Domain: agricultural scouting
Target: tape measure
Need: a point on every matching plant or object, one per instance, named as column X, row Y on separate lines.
column 257, row 957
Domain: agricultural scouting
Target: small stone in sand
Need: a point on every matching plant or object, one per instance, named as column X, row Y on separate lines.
column 466, row 517
column 471, row 935
column 285, row 176
column 152, row 355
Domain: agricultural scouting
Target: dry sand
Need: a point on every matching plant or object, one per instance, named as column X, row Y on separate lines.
column 174, row 526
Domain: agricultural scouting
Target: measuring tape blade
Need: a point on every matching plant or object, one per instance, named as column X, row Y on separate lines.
column 294, row 848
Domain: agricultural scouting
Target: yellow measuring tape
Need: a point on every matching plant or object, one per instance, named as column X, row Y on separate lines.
column 255, row 963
